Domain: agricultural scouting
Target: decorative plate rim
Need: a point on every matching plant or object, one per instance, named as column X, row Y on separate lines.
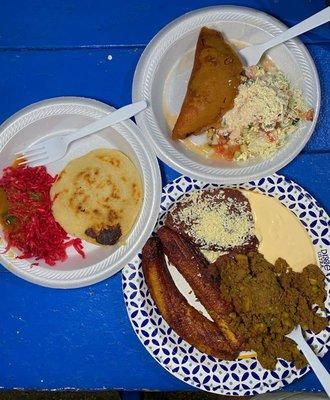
column 135, row 267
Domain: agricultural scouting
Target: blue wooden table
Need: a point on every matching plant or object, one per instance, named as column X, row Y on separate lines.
column 82, row 338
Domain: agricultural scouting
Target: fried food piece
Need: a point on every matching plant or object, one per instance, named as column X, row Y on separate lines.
column 212, row 87
column 186, row 321
column 194, row 269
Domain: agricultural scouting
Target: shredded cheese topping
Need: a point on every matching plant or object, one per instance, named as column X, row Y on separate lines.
column 267, row 110
column 226, row 225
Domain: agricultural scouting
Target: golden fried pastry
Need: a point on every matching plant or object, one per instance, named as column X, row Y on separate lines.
column 212, row 87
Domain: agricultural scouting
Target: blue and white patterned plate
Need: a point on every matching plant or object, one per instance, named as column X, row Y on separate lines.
column 244, row 376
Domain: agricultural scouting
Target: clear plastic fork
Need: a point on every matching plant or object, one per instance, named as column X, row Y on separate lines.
column 54, row 148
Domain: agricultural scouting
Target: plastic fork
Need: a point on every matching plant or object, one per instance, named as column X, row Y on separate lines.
column 320, row 371
column 54, row 148
column 252, row 54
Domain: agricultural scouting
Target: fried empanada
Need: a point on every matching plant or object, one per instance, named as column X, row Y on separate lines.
column 212, row 87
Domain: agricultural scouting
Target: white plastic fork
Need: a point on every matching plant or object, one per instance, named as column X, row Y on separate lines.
column 320, row 371
column 252, row 54
column 55, row 147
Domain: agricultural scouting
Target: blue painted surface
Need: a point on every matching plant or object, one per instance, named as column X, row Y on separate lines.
column 82, row 338
column 58, row 23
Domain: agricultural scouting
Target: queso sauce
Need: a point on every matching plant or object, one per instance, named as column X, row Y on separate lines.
column 280, row 232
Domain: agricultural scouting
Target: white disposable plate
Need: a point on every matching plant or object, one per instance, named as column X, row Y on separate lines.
column 61, row 115
column 242, row 377
column 163, row 72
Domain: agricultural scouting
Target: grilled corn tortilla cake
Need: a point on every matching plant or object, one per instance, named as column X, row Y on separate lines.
column 97, row 197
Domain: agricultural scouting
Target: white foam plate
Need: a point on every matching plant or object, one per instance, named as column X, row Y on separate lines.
column 65, row 114
column 162, row 75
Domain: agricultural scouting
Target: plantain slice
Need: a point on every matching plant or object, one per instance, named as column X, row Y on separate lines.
column 184, row 319
column 189, row 262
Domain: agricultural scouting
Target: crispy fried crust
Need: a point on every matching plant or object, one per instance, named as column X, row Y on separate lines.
column 186, row 321
column 191, row 264
column 212, row 87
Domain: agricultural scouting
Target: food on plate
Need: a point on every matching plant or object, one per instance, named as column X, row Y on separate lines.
column 215, row 220
column 280, row 232
column 212, row 87
column 187, row 322
column 268, row 301
column 267, row 111
column 252, row 300
column 97, row 197
column 194, row 268
column 231, row 220
column 240, row 113
column 26, row 216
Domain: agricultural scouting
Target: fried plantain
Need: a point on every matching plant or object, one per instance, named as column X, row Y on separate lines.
column 189, row 262
column 185, row 320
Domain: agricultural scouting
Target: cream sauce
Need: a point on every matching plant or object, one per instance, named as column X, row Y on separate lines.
column 280, row 232
column 203, row 150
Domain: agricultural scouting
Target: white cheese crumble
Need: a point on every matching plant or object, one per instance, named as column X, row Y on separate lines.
column 266, row 111
column 214, row 223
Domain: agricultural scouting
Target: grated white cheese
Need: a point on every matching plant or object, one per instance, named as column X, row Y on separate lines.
column 212, row 256
column 212, row 223
column 266, row 110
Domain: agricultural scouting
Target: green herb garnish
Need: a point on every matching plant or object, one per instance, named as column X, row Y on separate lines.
column 9, row 219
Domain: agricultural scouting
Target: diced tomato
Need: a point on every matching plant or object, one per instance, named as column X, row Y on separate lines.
column 222, row 140
column 309, row 115
column 227, row 151
column 270, row 136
